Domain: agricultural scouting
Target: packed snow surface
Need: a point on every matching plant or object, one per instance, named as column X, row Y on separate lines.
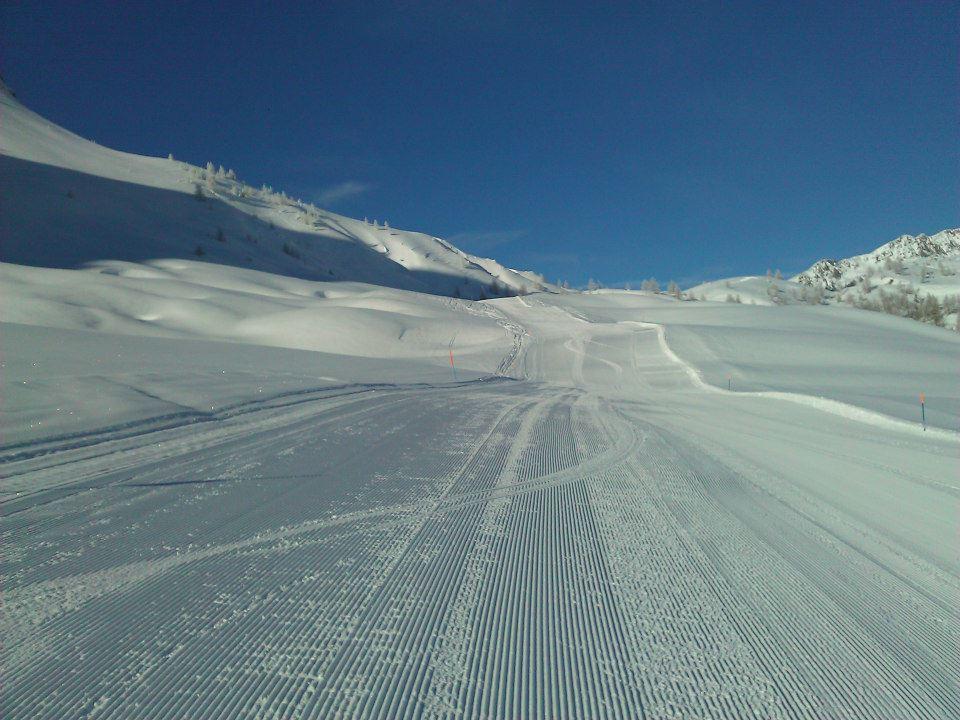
column 585, row 524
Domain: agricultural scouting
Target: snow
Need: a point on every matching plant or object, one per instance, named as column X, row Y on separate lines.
column 875, row 362
column 361, row 334
column 235, row 491
column 901, row 273
column 604, row 535
column 68, row 202
column 750, row 290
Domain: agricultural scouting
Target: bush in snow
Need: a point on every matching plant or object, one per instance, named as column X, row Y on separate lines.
column 291, row 250
column 812, row 294
column 950, row 304
column 906, row 303
column 894, row 265
column 931, row 311
column 199, row 251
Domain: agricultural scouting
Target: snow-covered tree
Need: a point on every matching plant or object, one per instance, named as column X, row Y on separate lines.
column 650, row 285
column 674, row 290
column 931, row 310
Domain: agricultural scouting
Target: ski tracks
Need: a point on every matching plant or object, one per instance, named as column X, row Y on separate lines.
column 550, row 556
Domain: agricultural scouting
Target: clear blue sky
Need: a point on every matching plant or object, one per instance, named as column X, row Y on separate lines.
column 678, row 140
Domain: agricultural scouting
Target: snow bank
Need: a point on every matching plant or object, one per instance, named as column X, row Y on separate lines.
column 121, row 342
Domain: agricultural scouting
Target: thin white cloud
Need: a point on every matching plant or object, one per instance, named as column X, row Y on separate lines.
column 342, row 191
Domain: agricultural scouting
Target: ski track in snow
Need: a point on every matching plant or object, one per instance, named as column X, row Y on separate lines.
column 585, row 543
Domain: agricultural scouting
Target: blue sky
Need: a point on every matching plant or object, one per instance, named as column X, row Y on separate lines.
column 681, row 140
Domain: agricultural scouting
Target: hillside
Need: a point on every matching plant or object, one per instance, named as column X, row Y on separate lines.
column 913, row 276
column 245, row 483
column 909, row 259
column 68, row 202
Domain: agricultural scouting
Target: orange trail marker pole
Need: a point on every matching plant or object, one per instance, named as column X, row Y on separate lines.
column 923, row 410
column 453, row 368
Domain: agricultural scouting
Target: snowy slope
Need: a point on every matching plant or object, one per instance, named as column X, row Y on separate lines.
column 250, row 484
column 68, row 201
column 609, row 539
column 72, row 367
column 825, row 355
column 749, row 289
column 931, row 261
column 912, row 276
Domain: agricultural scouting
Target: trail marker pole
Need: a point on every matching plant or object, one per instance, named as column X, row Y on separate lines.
column 728, row 383
column 923, row 411
column 453, row 368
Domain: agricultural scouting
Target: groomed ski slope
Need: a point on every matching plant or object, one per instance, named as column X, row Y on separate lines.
column 602, row 536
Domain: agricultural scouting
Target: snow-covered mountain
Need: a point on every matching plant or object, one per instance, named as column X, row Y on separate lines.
column 908, row 260
column 68, row 202
column 915, row 276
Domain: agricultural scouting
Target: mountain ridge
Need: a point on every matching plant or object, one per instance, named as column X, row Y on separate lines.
column 834, row 274
column 71, row 202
